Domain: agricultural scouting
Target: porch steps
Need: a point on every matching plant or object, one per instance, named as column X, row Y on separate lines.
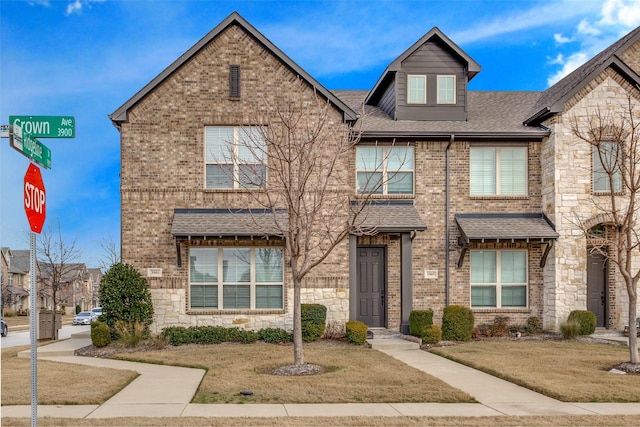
column 380, row 338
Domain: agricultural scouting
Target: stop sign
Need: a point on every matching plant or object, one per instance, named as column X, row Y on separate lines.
column 34, row 198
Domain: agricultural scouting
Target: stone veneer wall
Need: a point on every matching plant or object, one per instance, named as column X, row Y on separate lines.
column 567, row 176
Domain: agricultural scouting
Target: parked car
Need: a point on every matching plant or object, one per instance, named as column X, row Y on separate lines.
column 84, row 318
column 3, row 328
column 97, row 312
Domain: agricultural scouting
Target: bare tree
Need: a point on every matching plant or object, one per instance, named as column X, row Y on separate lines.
column 56, row 263
column 296, row 155
column 110, row 253
column 614, row 135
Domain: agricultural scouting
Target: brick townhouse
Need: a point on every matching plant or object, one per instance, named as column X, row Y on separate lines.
column 478, row 214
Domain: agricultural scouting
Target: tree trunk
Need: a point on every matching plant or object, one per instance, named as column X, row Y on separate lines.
column 298, row 352
column 633, row 328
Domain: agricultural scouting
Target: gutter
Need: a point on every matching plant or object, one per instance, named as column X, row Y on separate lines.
column 452, row 138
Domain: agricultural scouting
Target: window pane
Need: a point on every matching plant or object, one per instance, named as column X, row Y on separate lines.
column 203, row 265
column 400, row 158
column 483, row 171
column 204, row 296
column 251, row 146
column 269, row 296
column 252, row 176
column 236, row 265
column 236, row 296
column 400, row 183
column 268, row 265
column 483, row 267
column 513, row 171
column 514, row 266
column 605, row 160
column 369, row 182
column 369, row 158
column 219, row 145
column 514, row 296
column 416, row 91
column 446, row 89
column 219, row 176
column 483, row 296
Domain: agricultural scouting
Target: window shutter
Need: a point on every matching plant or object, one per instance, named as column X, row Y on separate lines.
column 234, row 81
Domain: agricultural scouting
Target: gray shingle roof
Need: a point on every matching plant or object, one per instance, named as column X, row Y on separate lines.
column 505, row 227
column 393, row 216
column 552, row 99
column 490, row 114
column 224, row 223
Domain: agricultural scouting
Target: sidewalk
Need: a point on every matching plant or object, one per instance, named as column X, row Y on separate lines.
column 166, row 391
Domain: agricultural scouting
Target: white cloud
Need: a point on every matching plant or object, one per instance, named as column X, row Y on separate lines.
column 559, row 59
column 560, row 39
column 568, row 65
column 584, row 27
column 622, row 12
column 74, row 7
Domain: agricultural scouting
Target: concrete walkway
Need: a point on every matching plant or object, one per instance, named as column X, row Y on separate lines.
column 165, row 391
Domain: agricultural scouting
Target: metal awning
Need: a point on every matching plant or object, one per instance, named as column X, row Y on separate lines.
column 527, row 227
column 389, row 217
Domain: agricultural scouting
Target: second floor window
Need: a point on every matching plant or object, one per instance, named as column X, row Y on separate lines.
column 235, row 158
column 605, row 164
column 498, row 171
column 384, row 170
column 416, row 89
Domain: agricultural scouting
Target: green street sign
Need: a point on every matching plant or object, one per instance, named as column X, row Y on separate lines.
column 46, row 126
column 28, row 145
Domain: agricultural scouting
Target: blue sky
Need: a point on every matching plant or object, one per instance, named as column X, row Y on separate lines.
column 86, row 58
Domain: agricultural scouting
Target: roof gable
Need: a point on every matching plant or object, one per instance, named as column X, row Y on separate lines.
column 553, row 99
column 120, row 114
column 436, row 35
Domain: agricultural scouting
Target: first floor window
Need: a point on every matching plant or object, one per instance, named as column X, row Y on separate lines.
column 236, row 278
column 498, row 278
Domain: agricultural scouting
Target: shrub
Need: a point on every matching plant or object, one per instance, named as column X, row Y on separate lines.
column 419, row 321
column 500, row 326
column 586, row 319
column 275, row 336
column 100, row 334
column 457, row 323
column 130, row 333
column 177, row 335
column 534, row 325
column 314, row 317
column 356, row 332
column 9, row 313
column 243, row 336
column 78, row 308
column 208, row 334
column 124, row 295
column 570, row 329
column 432, row 335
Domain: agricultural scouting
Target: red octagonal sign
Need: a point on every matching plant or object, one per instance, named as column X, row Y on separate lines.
column 34, row 198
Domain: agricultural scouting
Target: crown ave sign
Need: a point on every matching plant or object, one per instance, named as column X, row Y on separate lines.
column 34, row 198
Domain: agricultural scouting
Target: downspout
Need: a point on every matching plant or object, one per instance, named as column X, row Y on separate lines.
column 446, row 222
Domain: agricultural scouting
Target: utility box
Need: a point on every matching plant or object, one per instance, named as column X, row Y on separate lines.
column 45, row 320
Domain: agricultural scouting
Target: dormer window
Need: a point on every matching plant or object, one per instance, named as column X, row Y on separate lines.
column 446, row 89
column 416, row 89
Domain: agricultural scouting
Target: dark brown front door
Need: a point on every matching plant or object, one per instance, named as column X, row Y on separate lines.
column 597, row 286
column 371, row 286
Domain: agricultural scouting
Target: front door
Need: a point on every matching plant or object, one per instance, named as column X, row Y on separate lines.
column 371, row 286
column 597, row 286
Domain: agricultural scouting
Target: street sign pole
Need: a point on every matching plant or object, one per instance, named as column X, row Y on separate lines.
column 33, row 330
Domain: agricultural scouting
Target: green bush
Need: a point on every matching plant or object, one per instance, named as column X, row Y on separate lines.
column 177, row 335
column 432, row 335
column 208, row 334
column 124, row 295
column 419, row 321
column 275, row 336
column 356, row 332
column 534, row 325
column 243, row 336
column 586, row 319
column 314, row 318
column 78, row 308
column 570, row 329
column 457, row 323
column 100, row 334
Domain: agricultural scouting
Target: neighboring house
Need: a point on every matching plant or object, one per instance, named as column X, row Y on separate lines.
column 15, row 279
column 92, row 284
column 472, row 215
column 73, row 287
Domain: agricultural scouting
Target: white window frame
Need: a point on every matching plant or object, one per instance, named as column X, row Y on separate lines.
column 252, row 283
column 233, row 158
column 599, row 175
column 499, row 285
column 453, row 90
column 423, row 99
column 386, row 172
column 497, row 163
